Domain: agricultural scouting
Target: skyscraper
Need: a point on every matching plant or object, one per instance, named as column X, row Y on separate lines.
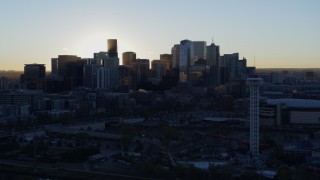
column 34, row 75
column 111, row 64
column 166, row 61
column 128, row 58
column 199, row 50
column 90, row 75
column 103, row 78
column 141, row 70
column 112, row 48
column 186, row 53
column 54, row 65
column 157, row 69
column 70, row 67
column 175, row 51
column 126, row 76
column 64, row 63
column 213, row 55
column 230, row 61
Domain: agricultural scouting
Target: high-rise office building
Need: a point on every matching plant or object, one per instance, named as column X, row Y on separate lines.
column 90, row 75
column 54, row 65
column 127, row 80
column 128, row 58
column 90, row 61
column 112, row 48
column 199, row 50
column 70, row 67
column 166, row 61
column 141, row 70
column 157, row 68
column 103, row 78
column 65, row 62
column 112, row 65
column 231, row 62
column 34, row 75
column 213, row 55
column 96, row 76
column 175, row 51
column 242, row 69
column 186, row 54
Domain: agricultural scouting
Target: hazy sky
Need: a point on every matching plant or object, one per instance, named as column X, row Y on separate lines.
column 278, row 33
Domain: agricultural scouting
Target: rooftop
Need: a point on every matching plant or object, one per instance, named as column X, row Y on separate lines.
column 295, row 103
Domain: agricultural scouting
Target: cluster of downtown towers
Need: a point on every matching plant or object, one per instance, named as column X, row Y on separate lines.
column 189, row 62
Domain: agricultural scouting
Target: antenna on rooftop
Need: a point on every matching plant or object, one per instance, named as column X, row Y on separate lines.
column 254, row 61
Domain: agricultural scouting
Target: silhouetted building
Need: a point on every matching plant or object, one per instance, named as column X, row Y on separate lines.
column 225, row 75
column 128, row 58
column 230, row 61
column 90, row 61
column 21, row 98
column 34, row 75
column 4, row 84
column 95, row 75
column 214, row 76
column 141, row 70
column 90, row 75
column 70, row 67
column 157, row 69
column 103, row 78
column 186, row 53
column 199, row 50
column 113, row 102
column 64, row 63
column 111, row 64
column 54, row 83
column 213, row 55
column 166, row 61
column 112, row 48
column 237, row 68
column 127, row 80
column 54, row 65
column 197, row 74
column 310, row 76
column 242, row 69
column 175, row 51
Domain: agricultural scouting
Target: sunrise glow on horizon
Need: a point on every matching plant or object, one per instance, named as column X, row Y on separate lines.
column 279, row 34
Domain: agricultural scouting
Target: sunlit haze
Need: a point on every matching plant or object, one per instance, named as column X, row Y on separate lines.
column 277, row 33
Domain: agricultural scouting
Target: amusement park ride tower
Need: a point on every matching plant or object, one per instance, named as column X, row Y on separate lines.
column 254, row 83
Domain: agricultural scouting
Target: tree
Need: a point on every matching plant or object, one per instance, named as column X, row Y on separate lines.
column 81, row 137
column 169, row 132
column 127, row 129
column 284, row 173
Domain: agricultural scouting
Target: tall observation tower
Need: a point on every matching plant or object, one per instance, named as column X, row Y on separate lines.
column 254, row 84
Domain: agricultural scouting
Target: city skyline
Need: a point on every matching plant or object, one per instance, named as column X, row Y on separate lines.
column 278, row 34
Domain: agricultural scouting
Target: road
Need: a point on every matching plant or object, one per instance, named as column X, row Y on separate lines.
column 60, row 170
